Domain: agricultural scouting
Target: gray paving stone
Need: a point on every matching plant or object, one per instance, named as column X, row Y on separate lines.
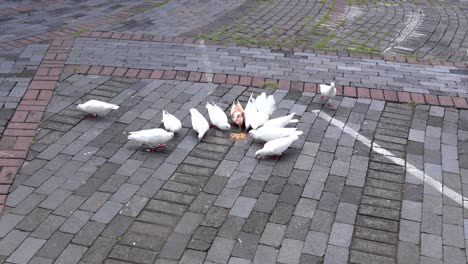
column 134, row 206
column 124, row 193
column 227, row 198
column 99, row 250
column 453, row 235
column 245, row 246
column 192, row 256
column 18, row 195
column 243, row 206
column 8, row 222
column 341, row 234
column 226, row 168
column 33, row 220
column 336, row 254
column 220, row 250
column 431, row 245
column 238, row 180
column 88, row 233
column 411, row 210
column 76, row 222
column 55, row 245
column 316, row 243
column 273, row 234
column 55, row 199
column 290, row 251
column 410, row 231
column 10, row 242
column 454, row 255
column 26, row 250
column 188, row 223
column 346, row 213
column 265, row 254
column 305, row 208
column 72, row 254
column 48, row 227
column 107, row 212
column 231, row 227
column 175, row 245
column 408, row 253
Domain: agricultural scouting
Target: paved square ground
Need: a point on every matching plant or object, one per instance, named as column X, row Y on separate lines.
column 380, row 178
column 368, row 182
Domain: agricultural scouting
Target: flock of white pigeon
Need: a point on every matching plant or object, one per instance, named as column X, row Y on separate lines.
column 256, row 116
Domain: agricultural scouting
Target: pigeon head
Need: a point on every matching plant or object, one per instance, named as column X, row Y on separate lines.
column 239, row 119
column 225, row 126
column 80, row 107
column 260, row 153
column 253, row 133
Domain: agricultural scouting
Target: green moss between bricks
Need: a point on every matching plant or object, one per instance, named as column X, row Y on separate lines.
column 270, row 85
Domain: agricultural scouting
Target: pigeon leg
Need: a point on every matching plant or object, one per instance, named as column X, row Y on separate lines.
column 162, row 146
column 153, row 149
column 321, row 97
column 213, row 126
column 329, row 104
column 91, row 115
column 275, row 156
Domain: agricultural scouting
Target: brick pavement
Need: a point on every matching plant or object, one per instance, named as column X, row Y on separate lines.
column 370, row 181
column 429, row 29
column 267, row 63
column 358, row 186
column 174, row 18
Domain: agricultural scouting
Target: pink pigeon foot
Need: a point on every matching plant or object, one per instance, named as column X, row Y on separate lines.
column 213, row 126
column 91, row 115
column 330, row 105
column 162, row 146
column 155, row 149
column 275, row 156
column 321, row 97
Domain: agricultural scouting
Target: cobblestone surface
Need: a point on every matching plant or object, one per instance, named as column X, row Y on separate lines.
column 57, row 16
column 369, row 190
column 370, row 181
column 256, row 62
column 17, row 67
column 430, row 29
column 174, row 18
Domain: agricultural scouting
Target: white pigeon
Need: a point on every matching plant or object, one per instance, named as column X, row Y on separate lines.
column 218, row 117
column 276, row 147
column 249, row 112
column 171, row 123
column 258, row 119
column 328, row 91
column 265, row 104
column 268, row 133
column 281, row 121
column 155, row 138
column 199, row 123
column 93, row 107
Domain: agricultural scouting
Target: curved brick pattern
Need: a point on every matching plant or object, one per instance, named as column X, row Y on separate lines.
column 174, row 18
column 55, row 20
column 429, row 29
column 25, row 8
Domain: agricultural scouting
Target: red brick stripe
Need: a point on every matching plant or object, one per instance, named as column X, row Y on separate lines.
column 357, row 92
column 20, row 131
